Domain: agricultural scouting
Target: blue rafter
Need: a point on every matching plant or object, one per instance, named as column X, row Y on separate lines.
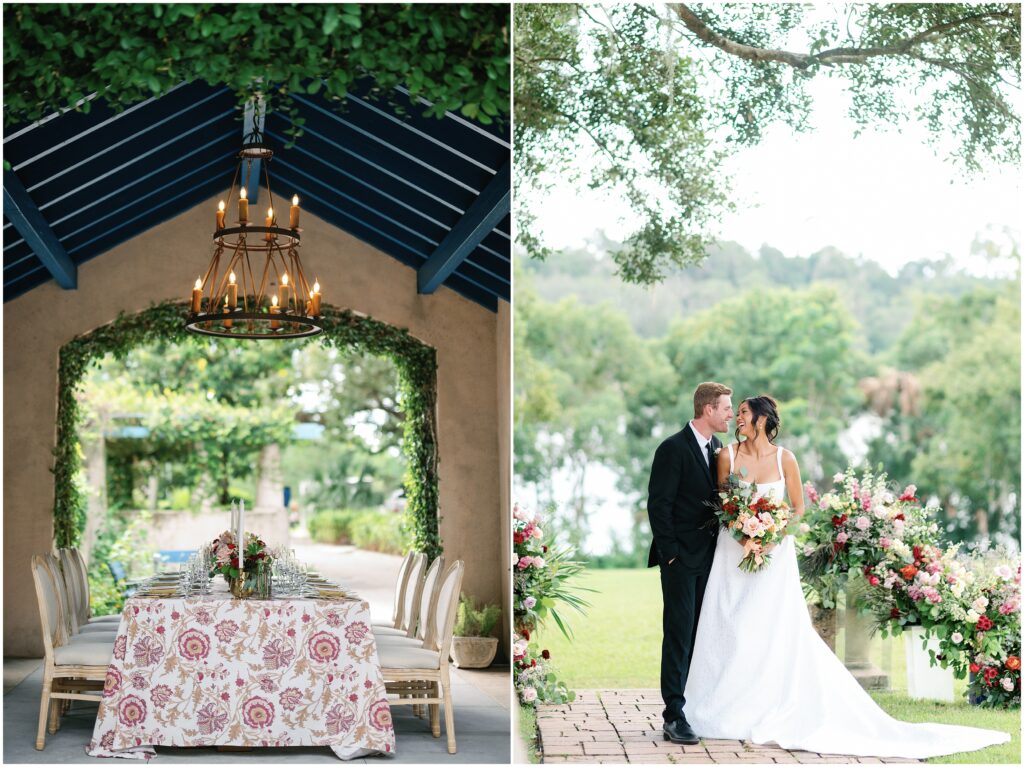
column 483, row 215
column 23, row 213
column 253, row 121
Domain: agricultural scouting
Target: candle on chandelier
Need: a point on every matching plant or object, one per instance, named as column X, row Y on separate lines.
column 220, row 215
column 227, row 323
column 274, row 309
column 197, row 296
column 315, row 298
column 232, row 296
column 243, row 207
column 269, row 222
column 293, row 214
column 285, row 291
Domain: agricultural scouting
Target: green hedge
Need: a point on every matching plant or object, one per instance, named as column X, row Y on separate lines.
column 372, row 530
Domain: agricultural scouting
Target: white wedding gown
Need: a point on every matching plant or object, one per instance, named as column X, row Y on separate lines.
column 761, row 673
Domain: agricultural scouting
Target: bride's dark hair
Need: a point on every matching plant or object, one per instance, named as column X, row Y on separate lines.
column 765, row 407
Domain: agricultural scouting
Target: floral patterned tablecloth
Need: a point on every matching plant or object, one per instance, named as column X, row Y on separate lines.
column 211, row 671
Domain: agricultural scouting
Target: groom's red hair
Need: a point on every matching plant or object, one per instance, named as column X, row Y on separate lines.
column 708, row 393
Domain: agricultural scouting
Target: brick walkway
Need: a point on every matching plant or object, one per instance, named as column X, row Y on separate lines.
column 625, row 726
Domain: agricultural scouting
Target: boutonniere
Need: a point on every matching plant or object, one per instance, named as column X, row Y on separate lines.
column 717, row 451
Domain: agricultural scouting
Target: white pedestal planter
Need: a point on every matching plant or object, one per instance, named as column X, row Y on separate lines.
column 925, row 681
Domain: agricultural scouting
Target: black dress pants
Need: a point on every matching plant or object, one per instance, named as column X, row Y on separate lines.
column 682, row 592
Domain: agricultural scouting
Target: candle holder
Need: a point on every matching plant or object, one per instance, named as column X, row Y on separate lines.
column 234, row 300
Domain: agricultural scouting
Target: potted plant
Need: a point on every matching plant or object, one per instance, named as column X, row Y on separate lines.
column 472, row 644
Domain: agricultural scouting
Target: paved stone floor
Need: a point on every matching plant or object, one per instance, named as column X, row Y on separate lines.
column 625, row 726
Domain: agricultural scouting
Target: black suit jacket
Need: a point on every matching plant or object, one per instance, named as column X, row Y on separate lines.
column 682, row 486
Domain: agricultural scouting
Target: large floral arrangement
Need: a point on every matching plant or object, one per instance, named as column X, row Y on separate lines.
column 541, row 575
column 886, row 545
column 224, row 553
column 972, row 607
column 756, row 521
column 859, row 522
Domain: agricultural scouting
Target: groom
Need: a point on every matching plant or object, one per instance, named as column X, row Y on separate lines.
column 678, row 495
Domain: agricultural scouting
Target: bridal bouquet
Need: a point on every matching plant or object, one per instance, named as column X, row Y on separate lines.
column 755, row 521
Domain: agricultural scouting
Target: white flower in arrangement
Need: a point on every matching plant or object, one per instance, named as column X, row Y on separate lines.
column 1004, row 572
column 957, row 637
column 839, row 477
column 529, row 694
column 957, row 612
column 538, row 562
column 805, row 528
column 862, row 523
column 972, row 616
column 521, row 514
column 1007, row 683
column 520, row 647
column 958, row 589
column 900, row 549
column 897, row 525
column 530, row 603
column 537, row 533
column 979, row 605
column 808, row 550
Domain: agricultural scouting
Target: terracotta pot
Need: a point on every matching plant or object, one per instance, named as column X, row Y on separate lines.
column 473, row 652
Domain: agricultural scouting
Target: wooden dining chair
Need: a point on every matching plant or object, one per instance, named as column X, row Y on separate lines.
column 403, row 579
column 67, row 586
column 83, row 578
column 71, row 666
column 411, row 601
column 407, row 666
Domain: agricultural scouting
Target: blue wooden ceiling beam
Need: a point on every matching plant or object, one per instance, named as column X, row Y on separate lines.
column 483, row 215
column 23, row 213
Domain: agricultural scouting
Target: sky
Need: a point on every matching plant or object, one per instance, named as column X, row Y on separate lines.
column 888, row 196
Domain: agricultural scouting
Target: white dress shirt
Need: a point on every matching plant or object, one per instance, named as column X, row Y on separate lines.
column 702, row 441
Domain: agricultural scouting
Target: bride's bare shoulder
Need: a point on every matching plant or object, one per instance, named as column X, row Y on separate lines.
column 788, row 457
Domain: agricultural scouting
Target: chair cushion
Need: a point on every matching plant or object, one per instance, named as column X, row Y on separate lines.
column 405, row 657
column 106, row 619
column 96, row 653
column 390, row 639
column 380, row 631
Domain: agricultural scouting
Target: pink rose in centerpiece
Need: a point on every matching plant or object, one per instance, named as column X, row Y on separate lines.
column 884, row 542
column 529, row 694
column 521, row 514
column 979, row 605
column 257, row 712
column 842, row 538
column 538, row 562
column 862, row 523
column 956, row 637
column 873, row 580
column 897, row 526
column 525, row 562
column 753, row 527
column 530, row 603
column 537, row 533
column 931, row 595
column 1010, row 606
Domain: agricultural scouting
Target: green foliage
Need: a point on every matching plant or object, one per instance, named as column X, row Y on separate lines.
column 417, row 369
column 379, row 531
column 456, row 56
column 476, row 622
column 125, row 541
column 655, row 95
column 332, row 526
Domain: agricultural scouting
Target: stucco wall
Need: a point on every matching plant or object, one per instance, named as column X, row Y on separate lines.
column 504, row 382
column 162, row 264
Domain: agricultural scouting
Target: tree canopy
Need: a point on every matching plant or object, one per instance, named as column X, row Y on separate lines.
column 655, row 95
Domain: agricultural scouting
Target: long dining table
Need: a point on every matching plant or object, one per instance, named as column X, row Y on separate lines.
column 211, row 670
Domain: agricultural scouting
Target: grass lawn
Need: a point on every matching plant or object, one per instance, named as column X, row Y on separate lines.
column 611, row 651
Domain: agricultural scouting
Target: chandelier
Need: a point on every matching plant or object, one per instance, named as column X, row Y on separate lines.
column 255, row 286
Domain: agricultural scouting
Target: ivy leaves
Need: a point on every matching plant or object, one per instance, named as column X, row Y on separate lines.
column 417, row 369
column 454, row 56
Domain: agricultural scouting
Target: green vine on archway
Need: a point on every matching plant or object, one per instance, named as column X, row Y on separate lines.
column 417, row 375
column 56, row 56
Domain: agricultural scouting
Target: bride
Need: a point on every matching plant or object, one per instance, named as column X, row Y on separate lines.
column 760, row 672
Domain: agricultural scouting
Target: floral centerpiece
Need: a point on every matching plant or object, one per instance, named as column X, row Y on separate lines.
column 860, row 522
column 257, row 564
column 756, row 521
column 541, row 572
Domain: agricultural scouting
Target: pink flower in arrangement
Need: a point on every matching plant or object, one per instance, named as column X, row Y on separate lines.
column 120, row 646
column 897, row 526
column 132, row 711
column 226, row 630
column 884, row 542
column 160, row 695
column 862, row 523
column 842, row 538
column 812, row 494
column 934, row 567
column 1010, row 606
column 257, row 712
column 112, row 683
column 537, row 533
column 525, row 562
column 211, row 719
column 193, row 645
column 323, row 647
column 356, row 632
column 380, row 715
column 530, row 603
column 147, row 652
column 873, row 580
column 340, row 719
column 538, row 562
column 276, row 654
column 914, row 593
column 931, row 595
column 909, row 494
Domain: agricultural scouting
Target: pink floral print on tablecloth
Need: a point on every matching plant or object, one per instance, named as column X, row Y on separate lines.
column 208, row 671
